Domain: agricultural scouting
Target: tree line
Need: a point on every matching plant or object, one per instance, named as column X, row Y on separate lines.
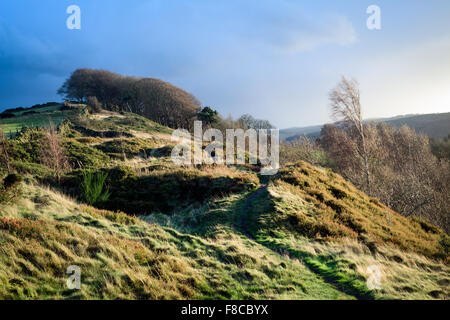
column 152, row 98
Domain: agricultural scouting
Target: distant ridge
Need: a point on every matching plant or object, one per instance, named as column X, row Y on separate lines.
column 287, row 134
column 434, row 125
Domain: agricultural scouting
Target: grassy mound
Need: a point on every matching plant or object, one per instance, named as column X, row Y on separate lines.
column 120, row 122
column 83, row 155
column 317, row 217
column 123, row 257
column 321, row 204
column 332, row 248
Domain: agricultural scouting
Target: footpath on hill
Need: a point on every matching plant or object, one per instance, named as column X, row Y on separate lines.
column 248, row 214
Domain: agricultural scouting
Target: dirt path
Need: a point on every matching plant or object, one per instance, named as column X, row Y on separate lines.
column 245, row 209
column 244, row 229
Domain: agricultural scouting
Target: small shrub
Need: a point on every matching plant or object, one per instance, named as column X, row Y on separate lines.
column 94, row 105
column 11, row 181
column 28, row 144
column 65, row 129
column 4, row 154
column 23, row 228
column 53, row 154
column 93, row 187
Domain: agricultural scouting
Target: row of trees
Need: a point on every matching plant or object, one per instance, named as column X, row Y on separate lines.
column 152, row 98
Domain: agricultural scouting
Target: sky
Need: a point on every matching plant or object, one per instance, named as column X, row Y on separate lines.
column 274, row 59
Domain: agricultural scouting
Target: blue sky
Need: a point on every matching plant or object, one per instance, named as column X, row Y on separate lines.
column 274, row 59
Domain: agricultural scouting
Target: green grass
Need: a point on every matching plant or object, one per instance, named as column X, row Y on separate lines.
column 124, row 121
column 130, row 147
column 124, row 257
column 412, row 268
column 293, row 219
column 46, row 116
column 212, row 232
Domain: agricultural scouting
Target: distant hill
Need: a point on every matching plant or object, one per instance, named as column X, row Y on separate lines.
column 287, row 134
column 42, row 115
column 435, row 125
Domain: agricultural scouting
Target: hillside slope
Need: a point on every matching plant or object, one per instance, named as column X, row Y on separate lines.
column 124, row 257
column 208, row 232
column 335, row 230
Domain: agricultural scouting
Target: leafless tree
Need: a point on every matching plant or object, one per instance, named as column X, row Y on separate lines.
column 405, row 175
column 345, row 105
column 52, row 154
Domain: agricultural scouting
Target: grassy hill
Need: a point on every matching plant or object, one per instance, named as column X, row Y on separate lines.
column 435, row 125
column 197, row 233
column 124, row 257
column 39, row 116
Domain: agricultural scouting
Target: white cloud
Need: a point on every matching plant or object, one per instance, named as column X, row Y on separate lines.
column 336, row 31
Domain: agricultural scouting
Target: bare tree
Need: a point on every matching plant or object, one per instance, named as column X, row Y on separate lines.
column 404, row 173
column 345, row 105
column 53, row 155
